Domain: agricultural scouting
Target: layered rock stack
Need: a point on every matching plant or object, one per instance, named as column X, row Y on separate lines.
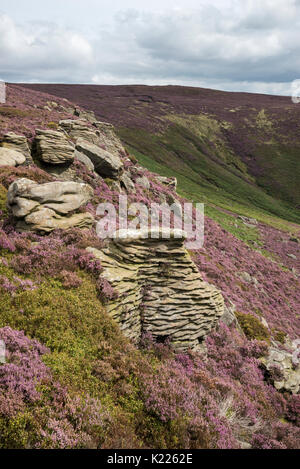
column 159, row 288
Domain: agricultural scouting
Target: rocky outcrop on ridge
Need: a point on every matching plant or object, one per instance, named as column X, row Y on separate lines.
column 160, row 290
column 46, row 207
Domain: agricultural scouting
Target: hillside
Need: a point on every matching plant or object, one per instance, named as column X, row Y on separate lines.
column 238, row 151
column 142, row 343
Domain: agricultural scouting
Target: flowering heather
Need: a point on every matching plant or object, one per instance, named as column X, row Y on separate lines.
column 105, row 290
column 16, row 286
column 55, row 258
column 28, row 392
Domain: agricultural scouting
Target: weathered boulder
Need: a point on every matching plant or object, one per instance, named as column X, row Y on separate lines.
column 11, row 157
column 287, row 364
column 160, row 289
column 78, row 129
column 106, row 164
column 19, row 143
column 52, row 147
column 44, row 207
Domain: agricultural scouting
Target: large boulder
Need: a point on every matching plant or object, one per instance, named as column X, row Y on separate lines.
column 53, row 147
column 160, row 290
column 11, row 157
column 106, row 164
column 45, row 207
column 18, row 143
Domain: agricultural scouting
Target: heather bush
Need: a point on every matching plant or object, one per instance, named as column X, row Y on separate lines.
column 16, row 286
column 5, row 242
column 40, row 413
column 55, row 259
column 105, row 290
column 69, row 279
column 9, row 174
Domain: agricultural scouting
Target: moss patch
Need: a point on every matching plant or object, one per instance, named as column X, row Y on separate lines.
column 252, row 327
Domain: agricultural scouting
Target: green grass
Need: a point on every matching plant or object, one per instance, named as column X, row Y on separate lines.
column 214, row 199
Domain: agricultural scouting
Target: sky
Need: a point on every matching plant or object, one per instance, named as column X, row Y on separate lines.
column 245, row 45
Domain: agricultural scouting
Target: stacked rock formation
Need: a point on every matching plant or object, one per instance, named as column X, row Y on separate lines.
column 159, row 288
column 45, row 207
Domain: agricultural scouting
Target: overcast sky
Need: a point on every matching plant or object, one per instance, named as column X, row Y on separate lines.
column 245, row 45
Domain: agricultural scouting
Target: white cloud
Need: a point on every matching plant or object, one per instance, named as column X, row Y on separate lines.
column 247, row 46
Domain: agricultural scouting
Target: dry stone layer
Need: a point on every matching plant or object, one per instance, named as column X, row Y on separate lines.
column 46, row 207
column 159, row 288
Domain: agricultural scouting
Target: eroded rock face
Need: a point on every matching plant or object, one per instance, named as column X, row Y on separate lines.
column 106, row 164
column 18, row 143
column 45, row 207
column 160, row 289
column 10, row 157
column 52, row 147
